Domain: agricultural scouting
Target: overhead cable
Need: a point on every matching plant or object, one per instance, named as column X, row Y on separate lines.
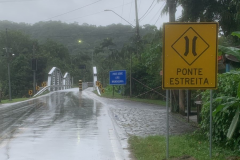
column 130, row 9
column 74, row 9
column 160, row 14
column 16, row 1
column 84, row 16
column 96, row 12
column 122, row 9
column 87, row 35
column 147, row 10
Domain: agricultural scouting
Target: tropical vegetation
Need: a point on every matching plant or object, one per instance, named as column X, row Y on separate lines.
column 116, row 47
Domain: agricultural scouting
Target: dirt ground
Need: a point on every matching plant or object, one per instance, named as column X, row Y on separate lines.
column 233, row 158
column 186, row 157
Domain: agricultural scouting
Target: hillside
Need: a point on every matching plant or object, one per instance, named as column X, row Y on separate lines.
column 70, row 34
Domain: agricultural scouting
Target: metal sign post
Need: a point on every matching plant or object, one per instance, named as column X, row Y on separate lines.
column 187, row 106
column 113, row 90
column 189, row 61
column 167, row 125
column 210, row 131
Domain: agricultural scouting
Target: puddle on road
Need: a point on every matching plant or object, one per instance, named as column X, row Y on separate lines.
column 62, row 122
column 47, row 111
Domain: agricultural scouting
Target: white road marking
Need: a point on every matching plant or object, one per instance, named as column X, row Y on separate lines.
column 115, row 145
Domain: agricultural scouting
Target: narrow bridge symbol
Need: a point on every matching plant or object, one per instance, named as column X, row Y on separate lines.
column 193, row 46
column 190, row 46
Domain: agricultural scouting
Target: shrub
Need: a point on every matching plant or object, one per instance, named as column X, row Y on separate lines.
column 227, row 86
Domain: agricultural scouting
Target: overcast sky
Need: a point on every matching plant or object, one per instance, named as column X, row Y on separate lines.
column 83, row 11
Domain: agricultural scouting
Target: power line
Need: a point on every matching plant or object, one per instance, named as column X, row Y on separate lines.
column 147, row 10
column 122, row 9
column 157, row 19
column 74, row 10
column 121, row 5
column 96, row 13
column 85, row 16
column 158, row 12
column 130, row 9
column 17, row 1
column 159, row 15
column 139, row 5
column 83, row 35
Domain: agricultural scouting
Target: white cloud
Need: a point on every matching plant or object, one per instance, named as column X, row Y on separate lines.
column 41, row 10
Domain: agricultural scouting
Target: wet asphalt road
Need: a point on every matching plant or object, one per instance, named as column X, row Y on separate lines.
column 63, row 126
column 68, row 125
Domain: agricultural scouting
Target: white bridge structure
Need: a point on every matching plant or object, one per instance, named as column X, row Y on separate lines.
column 56, row 81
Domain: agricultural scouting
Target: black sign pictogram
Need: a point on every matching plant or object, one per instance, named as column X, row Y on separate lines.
column 193, row 46
column 30, row 92
column 190, row 46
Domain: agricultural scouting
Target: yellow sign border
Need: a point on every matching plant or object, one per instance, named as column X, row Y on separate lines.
column 164, row 52
column 30, row 92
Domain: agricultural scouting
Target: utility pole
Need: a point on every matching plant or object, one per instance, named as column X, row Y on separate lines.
column 137, row 46
column 172, row 10
column 137, row 29
column 137, row 38
column 8, row 61
column 34, row 70
column 131, row 74
column 137, row 22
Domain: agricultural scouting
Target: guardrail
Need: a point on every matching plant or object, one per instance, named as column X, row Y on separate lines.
column 84, row 85
column 56, row 81
column 49, row 88
column 11, row 115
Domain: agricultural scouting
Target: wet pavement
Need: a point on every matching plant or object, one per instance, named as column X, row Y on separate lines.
column 63, row 126
column 145, row 119
column 72, row 125
column 141, row 119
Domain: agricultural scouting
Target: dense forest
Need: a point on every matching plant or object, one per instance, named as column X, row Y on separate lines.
column 117, row 47
column 70, row 34
column 114, row 47
column 66, row 46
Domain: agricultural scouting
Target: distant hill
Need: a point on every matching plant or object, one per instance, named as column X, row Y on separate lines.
column 70, row 34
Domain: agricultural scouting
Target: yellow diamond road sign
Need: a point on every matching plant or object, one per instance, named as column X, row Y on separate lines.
column 190, row 56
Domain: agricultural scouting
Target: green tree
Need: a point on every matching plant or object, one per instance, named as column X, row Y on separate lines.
column 48, row 55
column 18, row 45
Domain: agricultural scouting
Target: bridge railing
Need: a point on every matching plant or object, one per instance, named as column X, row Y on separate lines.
column 51, row 88
column 56, row 81
column 84, row 85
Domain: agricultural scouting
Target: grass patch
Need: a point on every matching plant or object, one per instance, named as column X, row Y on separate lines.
column 21, row 99
column 109, row 94
column 151, row 101
column 13, row 100
column 195, row 145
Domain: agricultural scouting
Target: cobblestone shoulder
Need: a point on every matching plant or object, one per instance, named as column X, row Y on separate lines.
column 149, row 120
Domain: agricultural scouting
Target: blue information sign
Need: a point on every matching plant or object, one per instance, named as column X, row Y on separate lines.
column 117, row 77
